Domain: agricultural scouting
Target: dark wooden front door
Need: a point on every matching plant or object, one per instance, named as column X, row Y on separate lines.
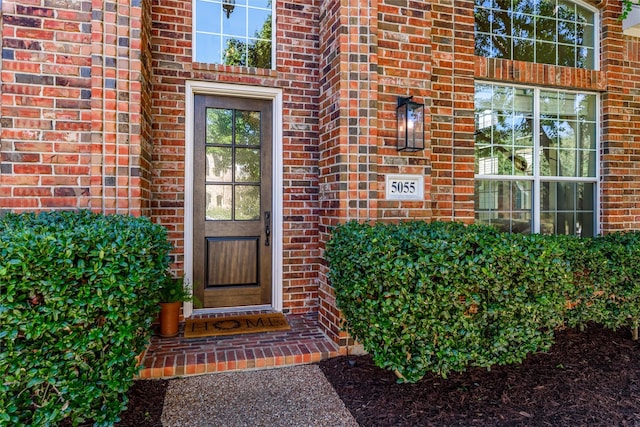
column 232, row 201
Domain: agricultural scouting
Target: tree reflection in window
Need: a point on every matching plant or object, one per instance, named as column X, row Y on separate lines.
column 240, row 35
column 232, row 164
column 556, row 32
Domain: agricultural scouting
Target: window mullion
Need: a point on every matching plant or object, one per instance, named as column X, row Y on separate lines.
column 536, row 157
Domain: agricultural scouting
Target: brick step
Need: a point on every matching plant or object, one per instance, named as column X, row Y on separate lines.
column 174, row 357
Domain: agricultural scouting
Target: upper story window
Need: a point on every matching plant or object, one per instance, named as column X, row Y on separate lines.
column 556, row 32
column 234, row 32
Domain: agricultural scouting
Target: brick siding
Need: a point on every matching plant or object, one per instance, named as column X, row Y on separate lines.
column 93, row 115
column 71, row 107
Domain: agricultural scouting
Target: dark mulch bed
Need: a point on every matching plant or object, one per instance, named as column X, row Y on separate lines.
column 146, row 398
column 589, row 378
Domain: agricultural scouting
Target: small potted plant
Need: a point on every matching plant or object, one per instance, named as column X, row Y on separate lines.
column 172, row 294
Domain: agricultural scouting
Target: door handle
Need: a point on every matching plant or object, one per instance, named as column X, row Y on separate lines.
column 267, row 227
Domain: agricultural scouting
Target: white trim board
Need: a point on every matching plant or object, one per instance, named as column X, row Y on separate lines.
column 256, row 92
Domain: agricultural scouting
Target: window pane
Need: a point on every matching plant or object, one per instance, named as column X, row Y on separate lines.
column 586, row 106
column 257, row 20
column 567, row 208
column 587, row 136
column 208, row 48
column 483, row 45
column 568, row 163
column 545, row 30
column 549, row 162
column 546, row 53
column 523, row 161
column 587, row 163
column 236, row 23
column 248, row 128
column 259, row 53
column 264, row 4
column 235, row 51
column 523, row 26
column 523, row 50
column 504, row 204
column 566, row 10
column 218, row 202
column 523, row 132
column 566, row 56
column 247, row 203
column 218, row 163
column 247, row 165
column 208, row 17
column 219, row 126
column 567, row 134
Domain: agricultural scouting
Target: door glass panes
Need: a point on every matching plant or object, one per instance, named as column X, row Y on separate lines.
column 219, row 202
column 248, row 128
column 218, row 164
column 247, row 206
column 247, row 165
column 557, row 32
column 233, row 32
column 233, row 165
column 219, row 126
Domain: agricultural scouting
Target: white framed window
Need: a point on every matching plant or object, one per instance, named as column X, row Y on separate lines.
column 536, row 164
column 556, row 32
column 234, row 32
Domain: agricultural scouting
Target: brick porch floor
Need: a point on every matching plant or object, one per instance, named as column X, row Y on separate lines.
column 304, row 343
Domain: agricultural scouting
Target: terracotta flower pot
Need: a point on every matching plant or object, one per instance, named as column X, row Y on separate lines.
column 169, row 317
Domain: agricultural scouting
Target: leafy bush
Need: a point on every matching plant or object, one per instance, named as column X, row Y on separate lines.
column 78, row 296
column 441, row 297
column 607, row 280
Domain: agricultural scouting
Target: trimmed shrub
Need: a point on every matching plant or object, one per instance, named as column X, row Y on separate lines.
column 78, row 296
column 442, row 296
column 607, row 280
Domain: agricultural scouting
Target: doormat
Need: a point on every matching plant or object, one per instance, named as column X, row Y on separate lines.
column 234, row 325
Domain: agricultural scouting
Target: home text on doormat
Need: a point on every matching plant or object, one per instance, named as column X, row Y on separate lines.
column 234, row 325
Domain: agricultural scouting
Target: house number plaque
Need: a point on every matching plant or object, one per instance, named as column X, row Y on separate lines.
column 405, row 187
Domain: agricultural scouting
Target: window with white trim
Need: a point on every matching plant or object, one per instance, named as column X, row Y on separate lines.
column 536, row 159
column 234, row 32
column 556, row 32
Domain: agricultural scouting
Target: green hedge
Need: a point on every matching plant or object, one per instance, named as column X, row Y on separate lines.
column 439, row 297
column 78, row 294
column 606, row 277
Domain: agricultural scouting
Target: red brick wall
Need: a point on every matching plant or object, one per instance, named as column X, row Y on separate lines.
column 452, row 110
column 405, row 69
column 620, row 187
column 631, row 115
column 46, row 113
column 71, row 107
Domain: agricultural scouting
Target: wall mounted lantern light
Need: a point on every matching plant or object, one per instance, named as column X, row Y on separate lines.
column 410, row 125
column 228, row 6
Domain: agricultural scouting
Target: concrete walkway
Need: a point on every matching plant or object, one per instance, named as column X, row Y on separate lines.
column 290, row 396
